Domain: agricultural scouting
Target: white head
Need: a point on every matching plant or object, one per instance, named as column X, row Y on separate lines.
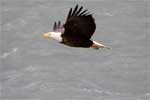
column 53, row 35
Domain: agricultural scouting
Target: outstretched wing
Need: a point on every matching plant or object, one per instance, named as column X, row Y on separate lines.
column 79, row 23
column 57, row 27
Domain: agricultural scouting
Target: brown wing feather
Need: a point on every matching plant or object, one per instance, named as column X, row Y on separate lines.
column 57, row 27
column 79, row 23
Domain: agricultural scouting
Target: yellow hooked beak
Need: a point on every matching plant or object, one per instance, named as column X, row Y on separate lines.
column 46, row 35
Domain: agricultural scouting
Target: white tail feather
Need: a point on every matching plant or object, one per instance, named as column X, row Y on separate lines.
column 97, row 45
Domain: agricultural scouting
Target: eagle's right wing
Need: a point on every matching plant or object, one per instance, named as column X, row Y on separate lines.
column 57, row 27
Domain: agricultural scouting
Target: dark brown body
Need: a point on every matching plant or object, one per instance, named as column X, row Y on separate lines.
column 75, row 42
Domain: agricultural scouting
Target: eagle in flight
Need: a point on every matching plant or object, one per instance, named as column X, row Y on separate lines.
column 77, row 30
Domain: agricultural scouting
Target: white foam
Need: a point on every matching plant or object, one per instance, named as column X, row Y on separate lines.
column 100, row 91
column 6, row 54
column 147, row 94
column 107, row 14
column 14, row 49
column 31, row 68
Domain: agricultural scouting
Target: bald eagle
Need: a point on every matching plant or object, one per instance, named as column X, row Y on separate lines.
column 77, row 30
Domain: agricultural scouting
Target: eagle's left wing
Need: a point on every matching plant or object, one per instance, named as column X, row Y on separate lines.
column 79, row 23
